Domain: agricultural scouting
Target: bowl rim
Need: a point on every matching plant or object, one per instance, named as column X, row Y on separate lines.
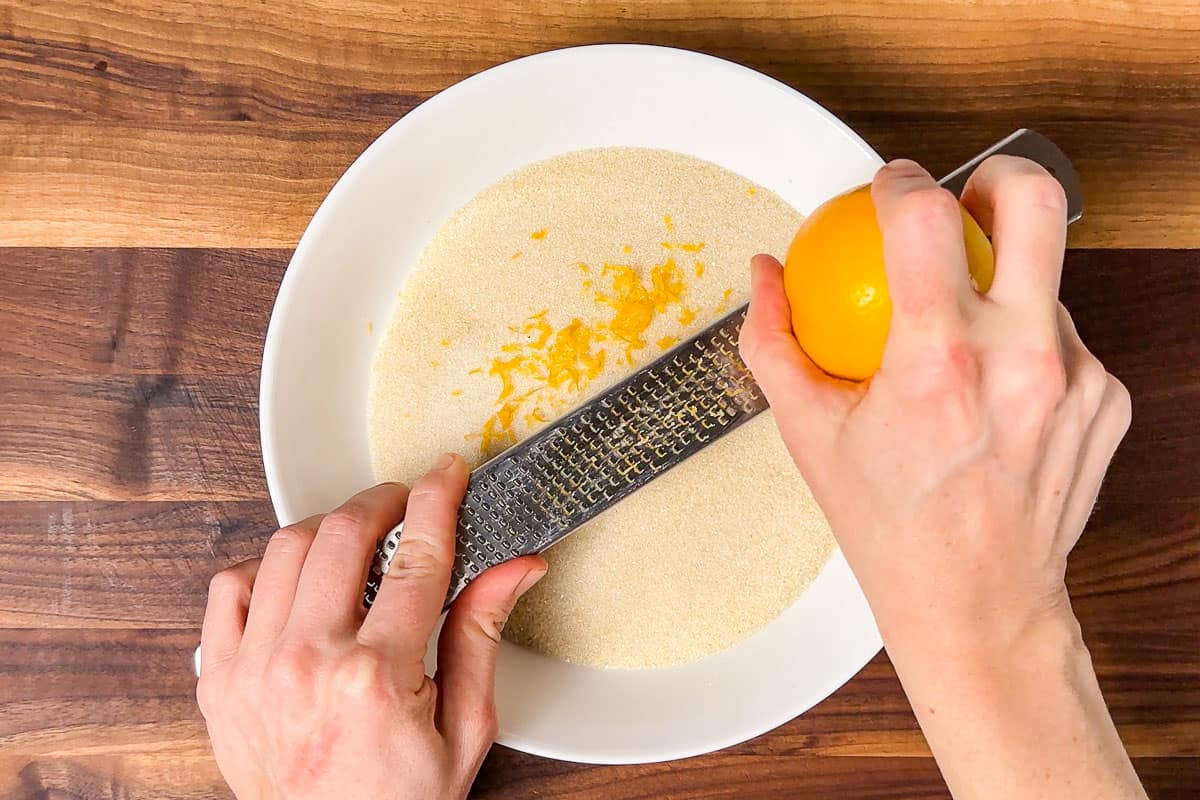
column 299, row 265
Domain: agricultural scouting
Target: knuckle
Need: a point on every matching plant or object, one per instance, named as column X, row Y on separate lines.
column 207, row 695
column 944, row 385
column 1038, row 383
column 1044, row 378
column 1036, row 188
column 349, row 521
column 483, row 724
column 1122, row 401
column 290, row 540
column 1093, row 380
column 361, row 679
column 227, row 582
column 929, row 207
column 416, row 558
column 291, row 672
column 431, row 487
column 748, row 345
column 490, row 622
column 946, row 370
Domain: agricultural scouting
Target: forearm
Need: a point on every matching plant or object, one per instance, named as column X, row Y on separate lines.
column 1022, row 719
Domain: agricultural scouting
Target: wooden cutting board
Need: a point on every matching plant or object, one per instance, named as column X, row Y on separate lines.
column 158, row 162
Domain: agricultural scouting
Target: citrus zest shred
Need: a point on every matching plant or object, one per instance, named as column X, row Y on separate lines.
column 544, row 368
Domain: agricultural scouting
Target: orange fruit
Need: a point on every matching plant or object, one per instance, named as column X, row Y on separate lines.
column 837, row 287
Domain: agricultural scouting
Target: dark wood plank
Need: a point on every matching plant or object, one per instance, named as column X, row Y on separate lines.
column 181, row 774
column 355, row 60
column 60, row 685
column 120, row 564
column 155, row 772
column 1132, row 310
column 79, row 688
column 123, row 312
column 1134, row 576
column 507, row 774
column 60, row 689
column 173, row 774
column 172, row 437
column 130, row 437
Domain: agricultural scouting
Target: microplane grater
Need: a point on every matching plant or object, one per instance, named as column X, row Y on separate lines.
column 537, row 492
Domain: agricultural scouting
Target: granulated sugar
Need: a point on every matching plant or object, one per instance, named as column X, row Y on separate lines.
column 547, row 288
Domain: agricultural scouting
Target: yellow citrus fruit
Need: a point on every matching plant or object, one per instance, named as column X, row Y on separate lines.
column 837, row 287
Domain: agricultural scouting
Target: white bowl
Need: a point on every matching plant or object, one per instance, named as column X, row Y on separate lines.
column 353, row 257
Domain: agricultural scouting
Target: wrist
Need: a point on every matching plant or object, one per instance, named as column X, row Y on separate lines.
column 992, row 660
column 1014, row 711
column 998, row 634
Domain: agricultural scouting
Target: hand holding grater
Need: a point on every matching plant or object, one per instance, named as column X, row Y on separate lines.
column 537, row 492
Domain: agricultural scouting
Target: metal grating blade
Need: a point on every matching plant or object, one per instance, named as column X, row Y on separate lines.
column 535, row 493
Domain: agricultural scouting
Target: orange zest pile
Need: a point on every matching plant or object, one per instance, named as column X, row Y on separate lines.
column 544, row 369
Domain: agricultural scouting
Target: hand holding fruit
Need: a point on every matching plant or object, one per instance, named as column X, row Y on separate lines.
column 957, row 478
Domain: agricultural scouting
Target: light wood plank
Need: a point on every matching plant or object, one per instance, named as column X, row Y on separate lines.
column 228, row 184
column 161, row 60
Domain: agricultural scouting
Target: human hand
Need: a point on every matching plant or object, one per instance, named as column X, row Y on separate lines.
column 306, row 694
column 960, row 476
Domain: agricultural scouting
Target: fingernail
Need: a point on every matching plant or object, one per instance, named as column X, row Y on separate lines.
column 533, row 576
column 444, row 461
column 904, row 168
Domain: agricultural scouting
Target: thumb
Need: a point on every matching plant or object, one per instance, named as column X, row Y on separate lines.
column 806, row 401
column 467, row 649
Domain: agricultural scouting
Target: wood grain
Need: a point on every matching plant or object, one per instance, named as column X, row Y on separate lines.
column 166, row 124
column 61, row 689
column 125, row 580
column 135, row 312
column 180, row 773
column 166, row 60
column 175, row 774
column 227, row 184
column 180, row 432
column 133, row 438
column 129, row 459
column 120, row 564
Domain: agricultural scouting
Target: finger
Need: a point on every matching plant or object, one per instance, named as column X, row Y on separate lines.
column 1100, row 444
column 925, row 260
column 413, row 590
column 329, row 594
column 278, row 577
column 1105, row 405
column 225, row 613
column 467, row 650
column 1025, row 210
column 804, row 398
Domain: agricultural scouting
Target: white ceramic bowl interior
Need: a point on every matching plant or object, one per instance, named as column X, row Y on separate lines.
column 354, row 256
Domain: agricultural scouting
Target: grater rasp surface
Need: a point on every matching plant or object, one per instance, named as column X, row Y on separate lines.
column 535, row 493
